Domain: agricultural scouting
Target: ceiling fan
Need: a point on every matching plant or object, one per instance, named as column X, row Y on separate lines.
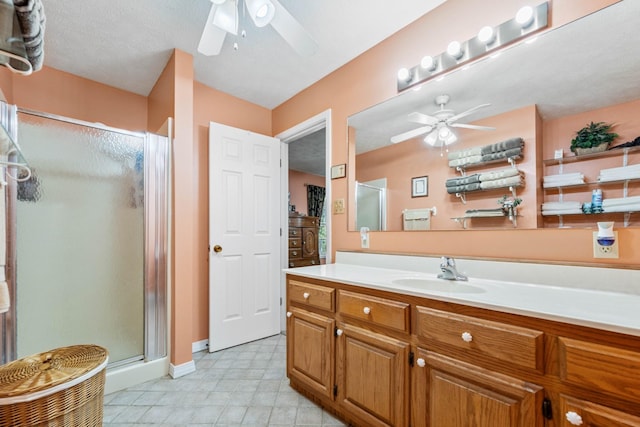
column 223, row 18
column 438, row 126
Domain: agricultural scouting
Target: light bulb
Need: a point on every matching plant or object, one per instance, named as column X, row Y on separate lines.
column 444, row 133
column 524, row 17
column 428, row 63
column 404, row 75
column 455, row 49
column 262, row 11
column 487, row 35
column 431, row 138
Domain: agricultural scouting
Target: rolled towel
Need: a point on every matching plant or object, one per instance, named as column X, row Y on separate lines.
column 453, row 182
column 456, row 189
column 472, row 187
column 621, row 201
column 475, row 151
column 561, row 211
column 465, row 161
column 514, row 152
column 32, row 21
column 504, row 173
column 629, row 207
column 561, row 205
column 504, row 182
column 503, row 146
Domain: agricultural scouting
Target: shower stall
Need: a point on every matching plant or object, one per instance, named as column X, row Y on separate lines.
column 88, row 240
column 371, row 205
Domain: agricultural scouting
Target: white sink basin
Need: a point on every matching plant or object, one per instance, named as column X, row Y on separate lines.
column 439, row 285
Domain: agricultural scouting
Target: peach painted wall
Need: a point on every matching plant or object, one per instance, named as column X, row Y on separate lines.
column 213, row 105
column 56, row 92
column 298, row 188
column 401, row 162
column 370, row 79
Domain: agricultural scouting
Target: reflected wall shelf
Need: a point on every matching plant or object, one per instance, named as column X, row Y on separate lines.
column 559, row 190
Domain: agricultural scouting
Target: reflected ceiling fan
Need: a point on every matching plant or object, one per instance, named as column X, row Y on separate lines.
column 224, row 18
column 438, row 126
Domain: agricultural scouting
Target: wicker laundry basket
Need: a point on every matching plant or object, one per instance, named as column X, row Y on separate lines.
column 61, row 387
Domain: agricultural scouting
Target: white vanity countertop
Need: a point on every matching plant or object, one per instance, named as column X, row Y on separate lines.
column 613, row 311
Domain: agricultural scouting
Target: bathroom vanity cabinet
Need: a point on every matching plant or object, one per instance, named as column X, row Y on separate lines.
column 381, row 358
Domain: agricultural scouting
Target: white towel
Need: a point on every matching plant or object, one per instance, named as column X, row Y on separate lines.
column 621, row 201
column 503, row 173
column 561, row 211
column 475, row 151
column 561, row 205
column 465, row 161
column 5, row 301
column 630, row 207
column 512, row 181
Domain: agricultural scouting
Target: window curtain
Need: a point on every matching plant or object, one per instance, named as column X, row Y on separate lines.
column 315, row 200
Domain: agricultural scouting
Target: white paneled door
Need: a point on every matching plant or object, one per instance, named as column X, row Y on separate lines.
column 244, row 236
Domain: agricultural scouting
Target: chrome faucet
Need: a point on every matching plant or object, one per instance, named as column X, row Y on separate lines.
column 449, row 271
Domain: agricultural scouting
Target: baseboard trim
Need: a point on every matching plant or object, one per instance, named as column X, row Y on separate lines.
column 199, row 346
column 182, row 370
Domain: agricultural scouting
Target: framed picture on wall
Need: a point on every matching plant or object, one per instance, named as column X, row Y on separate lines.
column 420, row 186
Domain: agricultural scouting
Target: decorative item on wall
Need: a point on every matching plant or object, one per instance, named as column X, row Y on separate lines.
column 420, row 186
column 593, row 138
column 339, row 171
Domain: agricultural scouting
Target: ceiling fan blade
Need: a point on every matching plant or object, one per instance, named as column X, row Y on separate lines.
column 466, row 126
column 466, row 113
column 292, row 32
column 422, row 118
column 411, row 134
column 212, row 36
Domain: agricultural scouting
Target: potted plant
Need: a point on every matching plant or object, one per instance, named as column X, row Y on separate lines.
column 509, row 205
column 593, row 138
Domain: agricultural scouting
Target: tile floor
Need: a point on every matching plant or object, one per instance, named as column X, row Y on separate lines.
column 241, row 386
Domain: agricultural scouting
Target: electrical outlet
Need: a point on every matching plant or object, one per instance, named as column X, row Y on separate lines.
column 600, row 251
column 338, row 206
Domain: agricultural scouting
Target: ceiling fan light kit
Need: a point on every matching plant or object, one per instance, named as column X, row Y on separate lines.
column 528, row 21
column 224, row 18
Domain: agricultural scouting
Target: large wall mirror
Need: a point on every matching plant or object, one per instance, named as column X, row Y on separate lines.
column 586, row 65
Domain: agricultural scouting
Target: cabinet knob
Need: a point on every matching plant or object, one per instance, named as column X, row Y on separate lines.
column 305, row 295
column 366, row 310
column 294, row 232
column 574, row 418
column 339, row 332
column 421, row 363
column 289, row 314
column 294, row 253
column 467, row 337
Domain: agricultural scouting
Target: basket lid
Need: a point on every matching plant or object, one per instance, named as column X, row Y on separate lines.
column 45, row 370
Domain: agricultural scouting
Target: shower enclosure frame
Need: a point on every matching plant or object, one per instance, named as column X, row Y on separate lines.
column 156, row 243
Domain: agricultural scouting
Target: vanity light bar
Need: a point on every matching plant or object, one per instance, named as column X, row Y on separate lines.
column 462, row 52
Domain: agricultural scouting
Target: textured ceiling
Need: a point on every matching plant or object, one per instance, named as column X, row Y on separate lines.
column 126, row 43
column 308, row 153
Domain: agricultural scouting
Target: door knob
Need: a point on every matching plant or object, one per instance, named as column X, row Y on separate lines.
column 217, row 248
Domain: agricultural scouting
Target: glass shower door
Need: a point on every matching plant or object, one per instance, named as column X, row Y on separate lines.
column 80, row 239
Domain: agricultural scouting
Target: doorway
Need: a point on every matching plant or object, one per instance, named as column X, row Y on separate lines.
column 306, row 148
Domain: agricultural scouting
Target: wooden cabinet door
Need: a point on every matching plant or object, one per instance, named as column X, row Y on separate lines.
column 574, row 412
column 309, row 242
column 372, row 377
column 450, row 393
column 310, row 351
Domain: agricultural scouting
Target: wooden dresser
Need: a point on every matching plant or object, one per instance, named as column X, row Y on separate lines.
column 303, row 241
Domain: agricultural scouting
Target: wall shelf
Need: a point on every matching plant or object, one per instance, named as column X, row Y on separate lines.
column 608, row 153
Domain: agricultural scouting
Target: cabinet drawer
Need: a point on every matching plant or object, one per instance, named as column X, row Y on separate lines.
column 591, row 414
column 304, row 221
column 384, row 312
column 521, row 346
column 295, row 242
column 295, row 254
column 598, row 366
column 295, row 232
column 312, row 295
